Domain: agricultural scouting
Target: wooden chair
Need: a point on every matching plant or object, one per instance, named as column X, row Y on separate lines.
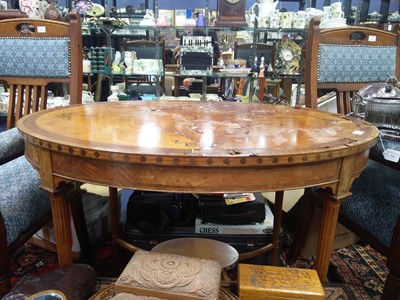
column 345, row 60
column 145, row 50
column 33, row 54
column 246, row 51
column 28, row 73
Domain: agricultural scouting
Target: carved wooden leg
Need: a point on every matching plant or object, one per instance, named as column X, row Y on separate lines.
column 330, row 214
column 61, row 223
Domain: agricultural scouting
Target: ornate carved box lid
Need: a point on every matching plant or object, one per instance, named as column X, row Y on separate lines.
column 170, row 276
column 278, row 283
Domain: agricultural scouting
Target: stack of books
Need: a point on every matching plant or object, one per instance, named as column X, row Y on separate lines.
column 204, row 226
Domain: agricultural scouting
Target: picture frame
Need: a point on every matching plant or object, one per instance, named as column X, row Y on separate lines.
column 169, row 13
column 212, row 17
column 180, row 17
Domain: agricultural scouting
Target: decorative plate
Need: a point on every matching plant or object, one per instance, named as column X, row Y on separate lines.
column 96, row 10
column 31, row 8
column 82, row 5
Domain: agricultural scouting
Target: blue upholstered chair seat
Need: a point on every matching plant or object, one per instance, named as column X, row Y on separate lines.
column 22, row 202
column 11, row 145
column 375, row 203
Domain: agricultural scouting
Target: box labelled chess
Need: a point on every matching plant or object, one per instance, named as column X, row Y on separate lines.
column 265, row 227
column 245, row 244
column 245, row 238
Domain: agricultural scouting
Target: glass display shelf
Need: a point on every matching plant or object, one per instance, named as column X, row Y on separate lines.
column 215, row 75
column 112, row 27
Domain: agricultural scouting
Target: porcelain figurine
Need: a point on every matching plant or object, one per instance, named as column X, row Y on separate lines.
column 129, row 58
column 115, row 66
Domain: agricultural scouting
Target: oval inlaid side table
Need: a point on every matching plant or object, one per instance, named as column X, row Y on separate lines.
column 196, row 147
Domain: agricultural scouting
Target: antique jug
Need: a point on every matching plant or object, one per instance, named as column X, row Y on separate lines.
column 265, row 8
column 148, row 19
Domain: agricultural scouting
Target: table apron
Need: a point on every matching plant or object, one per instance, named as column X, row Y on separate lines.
column 192, row 178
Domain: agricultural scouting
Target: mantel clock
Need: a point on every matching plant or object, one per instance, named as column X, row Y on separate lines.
column 231, row 13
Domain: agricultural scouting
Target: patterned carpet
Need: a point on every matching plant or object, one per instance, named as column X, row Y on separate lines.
column 32, row 260
column 361, row 269
column 356, row 272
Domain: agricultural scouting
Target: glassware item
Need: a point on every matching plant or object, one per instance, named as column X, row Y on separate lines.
column 200, row 21
column 190, row 22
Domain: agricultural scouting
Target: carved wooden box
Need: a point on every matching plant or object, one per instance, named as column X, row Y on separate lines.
column 273, row 283
column 170, row 276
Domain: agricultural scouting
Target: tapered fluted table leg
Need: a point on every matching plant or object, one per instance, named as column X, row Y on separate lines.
column 330, row 214
column 62, row 226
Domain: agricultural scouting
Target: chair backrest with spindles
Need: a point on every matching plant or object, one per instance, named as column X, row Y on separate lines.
column 345, row 59
column 35, row 53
